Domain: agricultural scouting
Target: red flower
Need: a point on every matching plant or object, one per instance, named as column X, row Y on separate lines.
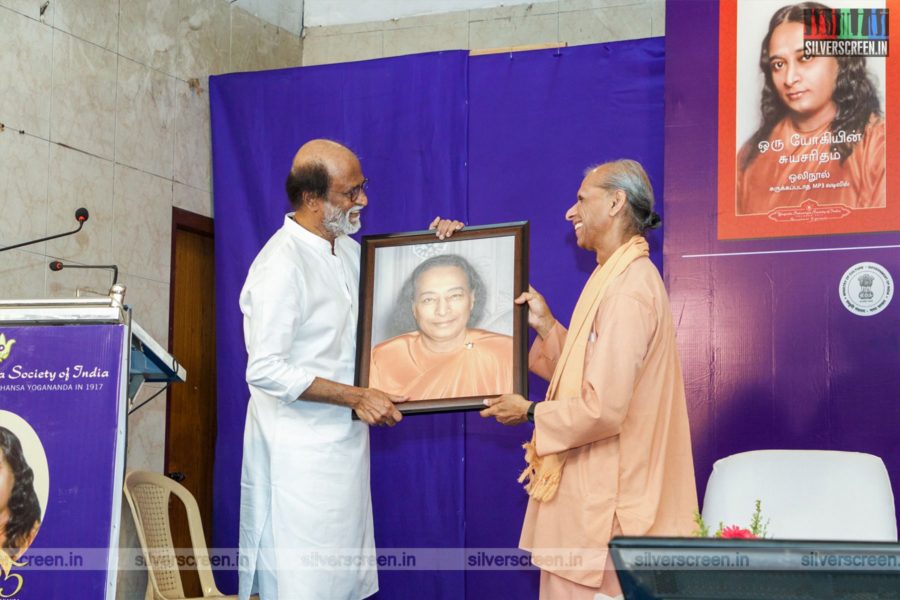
column 735, row 532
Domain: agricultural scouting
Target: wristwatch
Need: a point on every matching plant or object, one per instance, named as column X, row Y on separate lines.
column 531, row 412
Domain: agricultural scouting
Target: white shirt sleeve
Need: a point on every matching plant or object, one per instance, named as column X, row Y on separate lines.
column 274, row 308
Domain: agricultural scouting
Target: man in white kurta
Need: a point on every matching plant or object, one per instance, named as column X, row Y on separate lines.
column 306, row 510
column 305, row 498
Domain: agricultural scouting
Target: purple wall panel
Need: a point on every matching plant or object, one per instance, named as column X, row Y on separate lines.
column 771, row 357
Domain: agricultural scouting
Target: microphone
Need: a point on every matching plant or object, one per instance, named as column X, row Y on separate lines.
column 81, row 215
column 59, row 266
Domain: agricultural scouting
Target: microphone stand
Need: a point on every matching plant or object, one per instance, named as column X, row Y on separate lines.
column 52, row 237
column 81, row 215
column 59, row 266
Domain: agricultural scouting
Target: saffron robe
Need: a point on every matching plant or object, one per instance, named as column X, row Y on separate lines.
column 627, row 435
column 777, row 178
column 483, row 366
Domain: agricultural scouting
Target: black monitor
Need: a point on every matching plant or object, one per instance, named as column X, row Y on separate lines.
column 737, row 569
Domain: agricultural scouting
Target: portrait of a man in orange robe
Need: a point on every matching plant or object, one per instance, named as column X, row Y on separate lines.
column 443, row 355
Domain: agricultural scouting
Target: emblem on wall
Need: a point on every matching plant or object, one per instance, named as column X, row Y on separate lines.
column 866, row 289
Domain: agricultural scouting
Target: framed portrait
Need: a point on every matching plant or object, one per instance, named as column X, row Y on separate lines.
column 437, row 321
column 807, row 98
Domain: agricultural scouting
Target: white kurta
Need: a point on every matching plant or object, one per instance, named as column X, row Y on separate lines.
column 305, row 475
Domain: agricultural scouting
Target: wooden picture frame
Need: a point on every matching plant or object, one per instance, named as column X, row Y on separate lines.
column 458, row 341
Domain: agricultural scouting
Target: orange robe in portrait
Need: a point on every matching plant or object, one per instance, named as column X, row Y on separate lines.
column 483, row 366
column 629, row 462
column 778, row 177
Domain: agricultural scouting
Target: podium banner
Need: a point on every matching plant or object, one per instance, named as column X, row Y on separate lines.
column 61, row 456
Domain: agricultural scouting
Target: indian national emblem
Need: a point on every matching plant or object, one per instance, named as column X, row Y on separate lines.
column 865, row 287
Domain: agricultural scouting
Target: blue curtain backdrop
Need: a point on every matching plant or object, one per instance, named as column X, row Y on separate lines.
column 482, row 139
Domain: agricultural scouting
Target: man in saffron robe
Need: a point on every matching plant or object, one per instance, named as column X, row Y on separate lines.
column 444, row 357
column 611, row 452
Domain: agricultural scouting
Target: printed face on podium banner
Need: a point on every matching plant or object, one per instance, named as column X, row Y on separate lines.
column 438, row 324
column 58, row 430
column 24, row 483
column 804, row 125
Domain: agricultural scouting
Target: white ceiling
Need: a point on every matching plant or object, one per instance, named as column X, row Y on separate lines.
column 293, row 15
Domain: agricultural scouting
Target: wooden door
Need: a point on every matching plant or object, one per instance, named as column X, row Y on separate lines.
column 191, row 412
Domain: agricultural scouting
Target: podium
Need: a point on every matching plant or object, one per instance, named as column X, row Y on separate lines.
column 740, row 569
column 68, row 369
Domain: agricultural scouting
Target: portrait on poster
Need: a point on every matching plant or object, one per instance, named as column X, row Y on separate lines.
column 438, row 324
column 24, row 484
column 803, row 138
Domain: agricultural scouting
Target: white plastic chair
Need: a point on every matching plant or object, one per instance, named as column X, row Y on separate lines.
column 805, row 494
column 148, row 495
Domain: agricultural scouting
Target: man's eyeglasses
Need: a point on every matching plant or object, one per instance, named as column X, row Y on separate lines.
column 353, row 193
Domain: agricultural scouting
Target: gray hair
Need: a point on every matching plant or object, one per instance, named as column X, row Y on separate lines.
column 629, row 176
column 402, row 320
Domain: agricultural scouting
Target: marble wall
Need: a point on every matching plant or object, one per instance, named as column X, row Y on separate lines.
column 103, row 104
column 574, row 22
